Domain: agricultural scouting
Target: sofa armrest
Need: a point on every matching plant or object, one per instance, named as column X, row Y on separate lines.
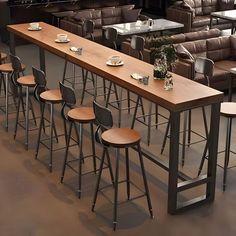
column 72, row 26
column 180, row 15
column 185, row 68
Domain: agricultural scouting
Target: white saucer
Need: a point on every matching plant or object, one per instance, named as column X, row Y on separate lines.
column 136, row 76
column 37, row 29
column 74, row 49
column 120, row 63
column 59, row 41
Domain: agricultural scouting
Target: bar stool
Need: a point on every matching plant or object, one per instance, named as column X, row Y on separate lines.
column 6, row 70
column 137, row 44
column 80, row 116
column 111, row 35
column 88, row 31
column 117, row 138
column 3, row 57
column 228, row 110
column 51, row 98
column 203, row 68
column 21, row 82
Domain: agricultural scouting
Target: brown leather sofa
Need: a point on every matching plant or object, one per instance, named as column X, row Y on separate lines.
column 222, row 50
column 210, row 44
column 175, row 39
column 103, row 16
column 195, row 14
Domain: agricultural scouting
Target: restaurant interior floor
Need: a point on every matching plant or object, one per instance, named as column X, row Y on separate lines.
column 33, row 202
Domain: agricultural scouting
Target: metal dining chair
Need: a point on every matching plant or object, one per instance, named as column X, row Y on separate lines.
column 111, row 36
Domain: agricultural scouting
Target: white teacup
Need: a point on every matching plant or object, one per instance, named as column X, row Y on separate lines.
column 62, row 37
column 114, row 59
column 34, row 25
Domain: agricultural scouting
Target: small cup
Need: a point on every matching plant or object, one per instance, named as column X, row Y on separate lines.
column 34, row 25
column 62, row 37
column 114, row 59
column 79, row 51
column 145, row 80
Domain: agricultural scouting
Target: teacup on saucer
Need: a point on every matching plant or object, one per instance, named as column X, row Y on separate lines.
column 114, row 59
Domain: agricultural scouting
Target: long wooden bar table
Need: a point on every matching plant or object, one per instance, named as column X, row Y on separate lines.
column 186, row 95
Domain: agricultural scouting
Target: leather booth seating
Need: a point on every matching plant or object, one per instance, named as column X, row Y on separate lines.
column 210, row 44
column 195, row 14
column 103, row 16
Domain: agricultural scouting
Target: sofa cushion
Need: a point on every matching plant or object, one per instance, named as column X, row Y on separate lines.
column 205, row 34
column 225, row 65
column 233, row 46
column 196, row 5
column 225, row 5
column 178, row 38
column 97, row 18
column 84, row 14
column 111, row 16
column 188, row 5
column 218, row 48
column 201, row 21
column 209, row 6
column 196, row 48
column 131, row 15
column 183, row 53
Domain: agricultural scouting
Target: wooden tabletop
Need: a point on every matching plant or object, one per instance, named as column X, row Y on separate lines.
column 186, row 93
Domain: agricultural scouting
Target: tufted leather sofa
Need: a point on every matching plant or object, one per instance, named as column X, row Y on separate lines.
column 195, row 14
column 210, row 44
column 175, row 39
column 102, row 16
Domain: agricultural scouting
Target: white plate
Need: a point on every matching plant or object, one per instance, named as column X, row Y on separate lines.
column 37, row 29
column 59, row 41
column 117, row 64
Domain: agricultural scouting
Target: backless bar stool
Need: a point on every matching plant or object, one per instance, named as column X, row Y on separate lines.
column 228, row 110
column 117, row 138
column 80, row 116
column 21, row 82
column 5, row 71
column 46, row 97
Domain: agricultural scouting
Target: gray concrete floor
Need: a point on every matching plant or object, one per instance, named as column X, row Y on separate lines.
column 33, row 202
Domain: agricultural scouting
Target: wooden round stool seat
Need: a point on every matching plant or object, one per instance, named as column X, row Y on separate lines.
column 228, row 109
column 121, row 137
column 82, row 114
column 53, row 96
column 7, row 67
column 27, row 80
column 3, row 56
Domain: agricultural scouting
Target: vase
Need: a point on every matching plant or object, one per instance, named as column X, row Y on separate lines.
column 160, row 67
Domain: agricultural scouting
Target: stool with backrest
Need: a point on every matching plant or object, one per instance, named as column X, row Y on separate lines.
column 111, row 35
column 204, row 67
column 89, row 30
column 24, row 100
column 3, row 57
column 46, row 97
column 137, row 44
column 118, row 138
column 76, row 116
column 6, row 71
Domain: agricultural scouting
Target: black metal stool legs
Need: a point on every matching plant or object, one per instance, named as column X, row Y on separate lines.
column 227, row 151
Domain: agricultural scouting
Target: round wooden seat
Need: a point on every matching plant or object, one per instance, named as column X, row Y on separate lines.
column 53, row 96
column 121, row 137
column 82, row 114
column 3, row 56
column 228, row 109
column 7, row 67
column 27, row 80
